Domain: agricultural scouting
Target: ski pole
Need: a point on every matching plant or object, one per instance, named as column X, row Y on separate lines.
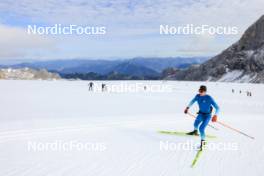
column 208, row 124
column 231, row 128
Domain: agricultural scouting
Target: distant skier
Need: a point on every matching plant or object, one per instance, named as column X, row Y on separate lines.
column 104, row 87
column 205, row 103
column 249, row 94
column 91, row 84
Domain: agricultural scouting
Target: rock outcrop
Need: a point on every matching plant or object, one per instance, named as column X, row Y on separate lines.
column 27, row 74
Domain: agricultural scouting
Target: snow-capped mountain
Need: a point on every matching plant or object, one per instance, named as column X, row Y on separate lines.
column 27, row 74
column 241, row 62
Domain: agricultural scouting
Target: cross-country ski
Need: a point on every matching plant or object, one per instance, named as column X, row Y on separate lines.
column 180, row 133
column 196, row 158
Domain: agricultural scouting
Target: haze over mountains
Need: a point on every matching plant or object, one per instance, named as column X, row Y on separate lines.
column 127, row 68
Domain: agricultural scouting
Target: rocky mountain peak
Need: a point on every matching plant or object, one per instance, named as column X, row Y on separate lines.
column 253, row 38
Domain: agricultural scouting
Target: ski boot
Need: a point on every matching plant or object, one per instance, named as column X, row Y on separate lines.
column 194, row 132
column 203, row 144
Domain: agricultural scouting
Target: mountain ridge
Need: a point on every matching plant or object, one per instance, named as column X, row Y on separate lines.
column 140, row 66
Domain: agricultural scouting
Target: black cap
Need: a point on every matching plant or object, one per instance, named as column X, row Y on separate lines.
column 202, row 88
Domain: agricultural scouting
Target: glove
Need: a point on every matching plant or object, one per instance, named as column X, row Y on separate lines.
column 186, row 110
column 214, row 119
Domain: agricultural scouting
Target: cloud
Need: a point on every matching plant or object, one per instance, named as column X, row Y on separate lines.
column 16, row 43
column 132, row 23
column 134, row 12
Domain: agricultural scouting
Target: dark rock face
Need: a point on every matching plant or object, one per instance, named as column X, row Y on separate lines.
column 241, row 62
column 253, row 37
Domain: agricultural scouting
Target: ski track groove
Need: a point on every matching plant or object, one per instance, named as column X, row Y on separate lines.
column 14, row 134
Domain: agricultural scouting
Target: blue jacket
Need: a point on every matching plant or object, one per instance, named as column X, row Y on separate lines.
column 205, row 102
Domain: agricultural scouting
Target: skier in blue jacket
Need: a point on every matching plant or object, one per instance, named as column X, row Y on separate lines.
column 205, row 103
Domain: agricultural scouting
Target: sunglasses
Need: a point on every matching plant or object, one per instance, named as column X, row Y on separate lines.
column 201, row 91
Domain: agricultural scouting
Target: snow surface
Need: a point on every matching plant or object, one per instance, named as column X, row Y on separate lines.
column 126, row 123
column 231, row 76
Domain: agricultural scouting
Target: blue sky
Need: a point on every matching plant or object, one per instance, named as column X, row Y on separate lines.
column 132, row 27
